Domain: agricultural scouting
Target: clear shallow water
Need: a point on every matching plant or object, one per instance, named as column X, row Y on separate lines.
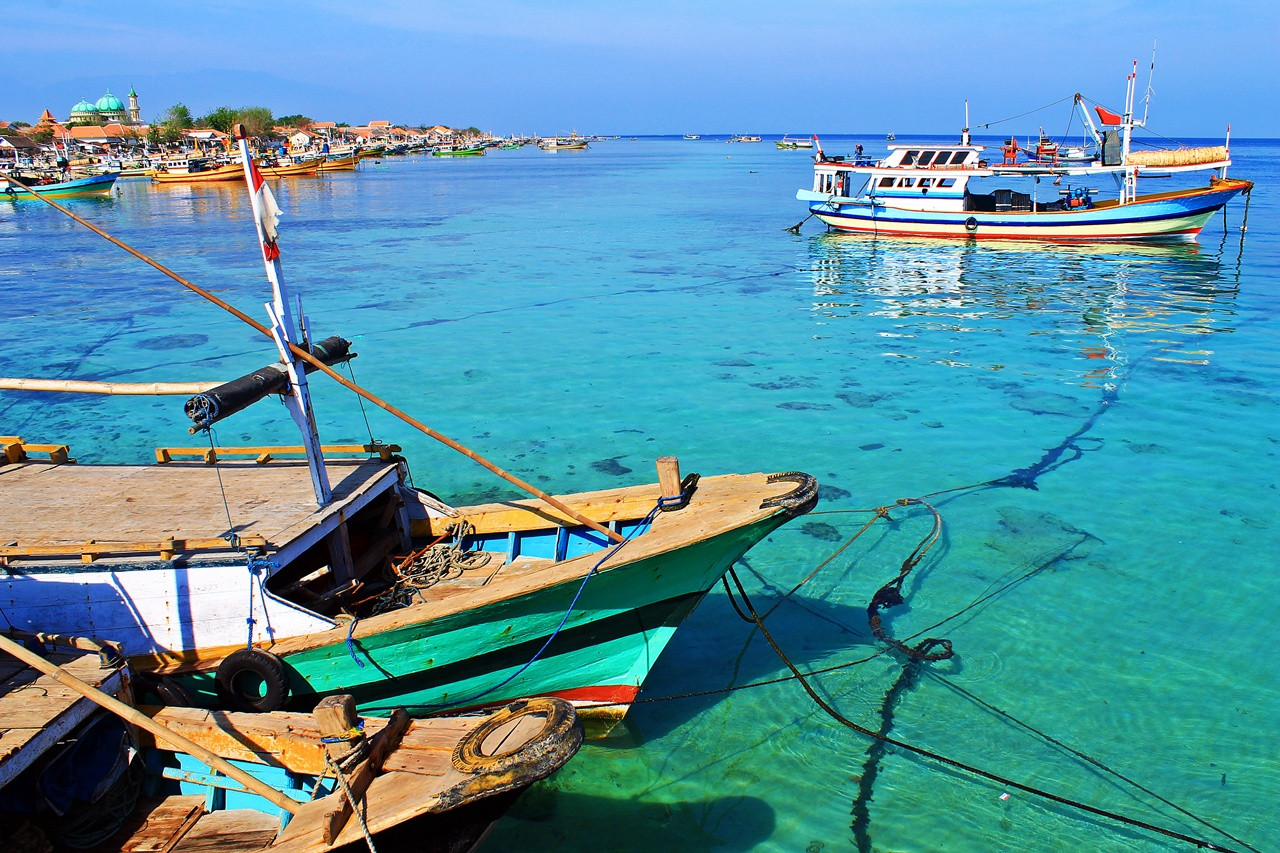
column 575, row 315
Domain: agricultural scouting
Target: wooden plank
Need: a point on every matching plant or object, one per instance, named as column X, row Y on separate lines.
column 43, row 505
column 165, row 824
column 265, row 454
column 93, row 549
column 230, row 829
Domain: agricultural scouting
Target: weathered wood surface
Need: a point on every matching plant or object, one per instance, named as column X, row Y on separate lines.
column 44, row 505
column 239, row 830
column 165, row 824
column 291, row 740
column 36, row 710
column 720, row 505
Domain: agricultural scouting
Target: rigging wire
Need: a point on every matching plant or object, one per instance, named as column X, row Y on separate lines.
column 1027, row 113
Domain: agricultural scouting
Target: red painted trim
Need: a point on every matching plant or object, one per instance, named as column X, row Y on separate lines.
column 621, row 695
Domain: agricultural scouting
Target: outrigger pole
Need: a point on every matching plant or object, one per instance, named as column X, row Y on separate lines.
column 334, row 375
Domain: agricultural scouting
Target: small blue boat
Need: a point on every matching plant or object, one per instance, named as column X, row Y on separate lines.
column 89, row 186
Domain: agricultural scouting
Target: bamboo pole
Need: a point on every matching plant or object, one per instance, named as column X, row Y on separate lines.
column 80, row 386
column 333, row 374
column 142, row 721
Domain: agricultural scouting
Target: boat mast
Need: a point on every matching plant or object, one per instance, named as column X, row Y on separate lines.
column 1129, row 190
column 298, row 398
column 1146, row 107
column 964, row 134
column 1088, row 122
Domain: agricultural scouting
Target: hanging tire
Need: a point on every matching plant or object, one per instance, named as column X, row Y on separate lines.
column 971, row 225
column 559, row 725
column 252, row 680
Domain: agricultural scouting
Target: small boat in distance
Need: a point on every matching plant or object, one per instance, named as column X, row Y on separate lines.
column 54, row 184
column 195, row 170
column 890, row 136
column 458, row 151
column 788, row 142
column 934, row 190
column 743, row 137
column 687, row 136
column 573, row 142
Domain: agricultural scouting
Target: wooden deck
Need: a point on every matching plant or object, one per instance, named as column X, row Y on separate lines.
column 87, row 511
column 36, row 711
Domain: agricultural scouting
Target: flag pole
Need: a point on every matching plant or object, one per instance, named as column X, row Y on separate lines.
column 298, row 400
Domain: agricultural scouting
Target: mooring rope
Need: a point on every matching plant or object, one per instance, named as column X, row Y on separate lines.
column 834, row 714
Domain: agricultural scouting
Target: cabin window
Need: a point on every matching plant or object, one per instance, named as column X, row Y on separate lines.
column 926, row 157
column 906, row 182
column 958, row 157
column 886, row 182
column 909, row 158
column 926, row 182
column 843, row 181
column 946, row 182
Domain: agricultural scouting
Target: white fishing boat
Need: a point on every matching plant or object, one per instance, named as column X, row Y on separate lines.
column 788, row 142
column 942, row 190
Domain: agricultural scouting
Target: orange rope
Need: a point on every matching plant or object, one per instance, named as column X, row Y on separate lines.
column 326, row 369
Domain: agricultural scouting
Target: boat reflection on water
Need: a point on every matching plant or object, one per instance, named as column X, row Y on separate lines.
column 1166, row 296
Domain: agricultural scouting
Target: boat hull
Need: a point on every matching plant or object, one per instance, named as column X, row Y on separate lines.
column 480, row 657
column 231, row 172
column 1176, row 216
column 94, row 185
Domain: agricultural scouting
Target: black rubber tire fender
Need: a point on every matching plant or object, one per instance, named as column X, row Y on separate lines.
column 262, row 665
column 560, row 723
column 971, row 225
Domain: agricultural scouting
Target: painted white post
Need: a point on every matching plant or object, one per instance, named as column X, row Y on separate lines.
column 298, row 400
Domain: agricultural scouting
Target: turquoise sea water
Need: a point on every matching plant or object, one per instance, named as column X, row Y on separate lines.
column 575, row 315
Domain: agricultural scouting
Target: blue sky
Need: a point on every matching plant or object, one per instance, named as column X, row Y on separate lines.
column 656, row 66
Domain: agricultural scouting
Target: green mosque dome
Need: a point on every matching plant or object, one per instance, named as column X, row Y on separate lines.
column 84, row 107
column 109, row 103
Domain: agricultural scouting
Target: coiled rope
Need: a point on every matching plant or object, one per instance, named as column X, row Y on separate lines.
column 428, row 567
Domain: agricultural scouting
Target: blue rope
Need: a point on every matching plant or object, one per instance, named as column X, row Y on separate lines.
column 256, row 566
column 351, row 644
column 643, row 525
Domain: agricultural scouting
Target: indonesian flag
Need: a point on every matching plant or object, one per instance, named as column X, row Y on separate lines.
column 1107, row 117
column 268, row 212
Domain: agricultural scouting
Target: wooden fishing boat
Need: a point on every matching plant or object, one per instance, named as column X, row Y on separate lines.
column 573, row 142
column 458, row 151
column 789, row 143
column 368, row 587
column 371, row 151
column 53, row 185
column 339, row 164
column 80, row 767
column 196, row 170
column 935, row 190
column 285, row 168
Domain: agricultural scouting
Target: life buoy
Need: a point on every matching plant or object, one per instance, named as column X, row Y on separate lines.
column 558, row 725
column 252, row 680
column 971, row 225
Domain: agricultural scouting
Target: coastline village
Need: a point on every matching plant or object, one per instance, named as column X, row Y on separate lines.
column 107, row 139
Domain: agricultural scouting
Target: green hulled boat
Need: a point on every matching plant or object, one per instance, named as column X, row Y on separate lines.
column 458, row 151
column 366, row 586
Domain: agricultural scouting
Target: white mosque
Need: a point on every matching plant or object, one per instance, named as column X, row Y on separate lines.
column 108, row 110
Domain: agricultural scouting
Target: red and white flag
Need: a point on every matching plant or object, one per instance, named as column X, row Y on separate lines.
column 268, row 212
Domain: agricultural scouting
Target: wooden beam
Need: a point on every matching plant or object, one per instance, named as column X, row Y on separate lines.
column 358, row 781
column 265, row 454
column 77, row 386
column 91, row 550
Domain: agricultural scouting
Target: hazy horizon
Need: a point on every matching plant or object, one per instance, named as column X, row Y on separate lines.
column 517, row 66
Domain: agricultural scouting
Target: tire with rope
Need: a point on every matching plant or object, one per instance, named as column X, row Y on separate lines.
column 252, row 680
column 559, row 724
